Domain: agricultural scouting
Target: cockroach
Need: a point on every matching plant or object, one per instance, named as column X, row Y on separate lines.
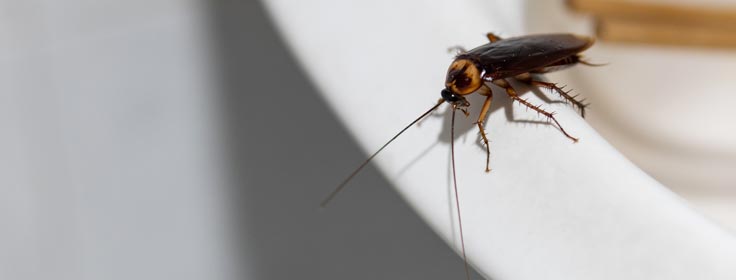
column 498, row 62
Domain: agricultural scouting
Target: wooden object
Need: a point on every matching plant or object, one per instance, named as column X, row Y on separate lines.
column 664, row 24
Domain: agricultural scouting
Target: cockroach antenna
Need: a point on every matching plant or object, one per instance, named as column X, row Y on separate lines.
column 362, row 165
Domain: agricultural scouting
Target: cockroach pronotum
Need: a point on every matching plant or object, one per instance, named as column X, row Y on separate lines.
column 517, row 58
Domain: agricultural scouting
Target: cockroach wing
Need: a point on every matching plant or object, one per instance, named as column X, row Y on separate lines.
column 518, row 55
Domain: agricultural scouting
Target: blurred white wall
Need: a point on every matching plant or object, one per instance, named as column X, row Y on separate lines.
column 110, row 166
column 147, row 140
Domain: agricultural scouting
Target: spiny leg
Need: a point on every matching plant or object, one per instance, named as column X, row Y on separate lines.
column 492, row 37
column 565, row 94
column 514, row 96
column 485, row 91
column 528, row 79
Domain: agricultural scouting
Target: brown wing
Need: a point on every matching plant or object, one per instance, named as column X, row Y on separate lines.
column 514, row 56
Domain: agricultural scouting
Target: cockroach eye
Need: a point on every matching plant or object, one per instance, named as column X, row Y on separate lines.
column 448, row 96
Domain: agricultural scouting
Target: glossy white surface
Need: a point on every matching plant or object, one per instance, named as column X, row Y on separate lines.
column 550, row 209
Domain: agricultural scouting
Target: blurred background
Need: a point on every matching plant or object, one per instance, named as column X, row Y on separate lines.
column 174, row 139
column 664, row 96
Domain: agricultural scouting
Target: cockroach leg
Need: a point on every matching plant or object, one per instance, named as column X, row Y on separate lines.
column 485, row 91
column 565, row 94
column 524, row 78
column 528, row 79
column 457, row 50
column 514, row 96
column 492, row 37
column 586, row 62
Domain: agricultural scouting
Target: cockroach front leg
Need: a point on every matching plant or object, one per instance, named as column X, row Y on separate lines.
column 485, row 91
column 514, row 96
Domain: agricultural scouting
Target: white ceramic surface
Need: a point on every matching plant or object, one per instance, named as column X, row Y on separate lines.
column 550, row 209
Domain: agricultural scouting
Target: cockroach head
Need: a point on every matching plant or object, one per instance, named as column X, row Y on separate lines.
column 463, row 77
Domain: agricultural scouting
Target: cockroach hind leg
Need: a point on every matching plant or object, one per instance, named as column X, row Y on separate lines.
column 514, row 96
column 565, row 94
